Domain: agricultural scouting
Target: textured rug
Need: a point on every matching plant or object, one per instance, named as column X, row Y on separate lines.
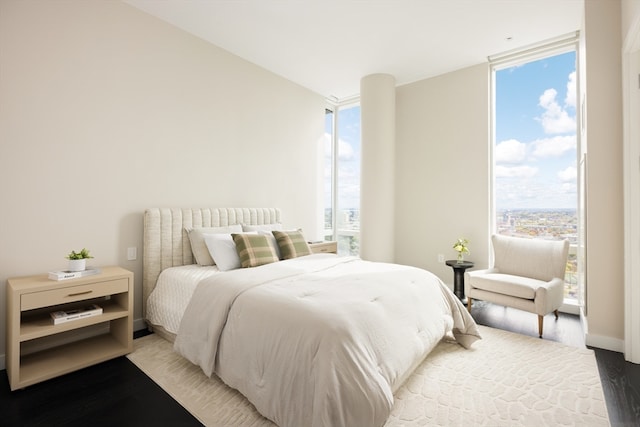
column 506, row 379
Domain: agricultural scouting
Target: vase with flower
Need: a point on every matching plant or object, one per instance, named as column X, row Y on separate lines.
column 460, row 246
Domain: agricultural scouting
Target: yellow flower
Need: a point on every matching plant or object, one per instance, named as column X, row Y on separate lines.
column 461, row 245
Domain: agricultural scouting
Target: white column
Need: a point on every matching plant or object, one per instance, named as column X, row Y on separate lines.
column 377, row 195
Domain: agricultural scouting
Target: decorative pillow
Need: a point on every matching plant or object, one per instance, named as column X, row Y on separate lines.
column 272, row 241
column 262, row 227
column 254, row 250
column 291, row 243
column 199, row 247
column 222, row 249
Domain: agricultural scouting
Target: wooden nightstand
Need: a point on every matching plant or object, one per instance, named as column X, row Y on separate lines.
column 38, row 350
column 324, row 247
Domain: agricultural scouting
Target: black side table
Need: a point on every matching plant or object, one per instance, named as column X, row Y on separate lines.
column 458, row 277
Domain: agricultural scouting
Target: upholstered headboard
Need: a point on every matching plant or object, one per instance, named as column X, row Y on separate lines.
column 166, row 243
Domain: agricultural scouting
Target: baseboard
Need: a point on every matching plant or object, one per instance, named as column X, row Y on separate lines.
column 606, row 343
column 599, row 341
column 138, row 324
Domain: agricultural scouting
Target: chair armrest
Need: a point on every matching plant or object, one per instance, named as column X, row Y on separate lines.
column 549, row 296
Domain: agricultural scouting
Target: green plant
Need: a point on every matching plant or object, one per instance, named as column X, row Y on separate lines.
column 84, row 253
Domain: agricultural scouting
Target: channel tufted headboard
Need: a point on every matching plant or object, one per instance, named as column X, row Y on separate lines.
column 166, row 243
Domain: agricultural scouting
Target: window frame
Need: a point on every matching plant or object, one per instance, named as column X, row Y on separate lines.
column 558, row 46
column 334, row 107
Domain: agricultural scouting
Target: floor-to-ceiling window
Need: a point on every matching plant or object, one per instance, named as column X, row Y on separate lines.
column 342, row 177
column 536, row 190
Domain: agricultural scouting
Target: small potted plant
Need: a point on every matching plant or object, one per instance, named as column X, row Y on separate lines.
column 78, row 260
column 460, row 246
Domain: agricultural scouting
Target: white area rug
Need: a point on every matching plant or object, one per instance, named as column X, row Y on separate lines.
column 506, row 379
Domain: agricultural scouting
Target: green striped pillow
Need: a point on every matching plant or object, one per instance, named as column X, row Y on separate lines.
column 291, row 243
column 254, row 250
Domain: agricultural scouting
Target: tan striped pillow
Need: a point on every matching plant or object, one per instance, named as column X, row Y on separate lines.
column 254, row 250
column 292, row 244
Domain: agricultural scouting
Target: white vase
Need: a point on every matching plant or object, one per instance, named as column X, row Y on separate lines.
column 77, row 264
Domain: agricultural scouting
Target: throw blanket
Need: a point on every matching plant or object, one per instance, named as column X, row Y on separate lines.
column 320, row 340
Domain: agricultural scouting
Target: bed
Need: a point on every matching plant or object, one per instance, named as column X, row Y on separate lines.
column 313, row 340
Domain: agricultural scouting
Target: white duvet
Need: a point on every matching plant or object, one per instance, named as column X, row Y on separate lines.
column 320, row 340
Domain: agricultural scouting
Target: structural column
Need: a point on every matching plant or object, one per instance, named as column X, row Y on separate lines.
column 377, row 195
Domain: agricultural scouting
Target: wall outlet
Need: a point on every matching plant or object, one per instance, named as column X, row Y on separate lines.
column 132, row 254
column 440, row 258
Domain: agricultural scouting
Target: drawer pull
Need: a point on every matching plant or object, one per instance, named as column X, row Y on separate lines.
column 80, row 293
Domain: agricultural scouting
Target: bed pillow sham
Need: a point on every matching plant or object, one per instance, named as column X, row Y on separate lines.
column 292, row 244
column 254, row 250
column 222, row 249
column 199, row 247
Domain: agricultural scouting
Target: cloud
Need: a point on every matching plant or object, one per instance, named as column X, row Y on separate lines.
column 569, row 188
column 345, row 150
column 515, row 171
column 510, row 151
column 570, row 99
column 569, row 175
column 553, row 147
column 554, row 119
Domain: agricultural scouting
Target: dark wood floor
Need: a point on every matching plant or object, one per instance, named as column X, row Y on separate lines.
column 117, row 393
column 111, row 394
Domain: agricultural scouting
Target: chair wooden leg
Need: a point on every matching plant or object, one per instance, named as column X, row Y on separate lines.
column 469, row 304
column 556, row 313
column 540, row 323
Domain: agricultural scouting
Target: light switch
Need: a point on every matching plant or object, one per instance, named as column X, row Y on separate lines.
column 132, row 254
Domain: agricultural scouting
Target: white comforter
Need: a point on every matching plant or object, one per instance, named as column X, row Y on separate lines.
column 320, row 340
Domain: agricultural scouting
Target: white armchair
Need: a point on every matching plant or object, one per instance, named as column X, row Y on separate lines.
column 527, row 274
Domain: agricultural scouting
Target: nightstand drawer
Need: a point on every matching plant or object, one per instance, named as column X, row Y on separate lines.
column 72, row 294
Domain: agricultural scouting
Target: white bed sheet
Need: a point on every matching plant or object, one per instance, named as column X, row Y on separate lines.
column 173, row 291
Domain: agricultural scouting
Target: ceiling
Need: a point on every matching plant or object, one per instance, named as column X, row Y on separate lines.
column 329, row 45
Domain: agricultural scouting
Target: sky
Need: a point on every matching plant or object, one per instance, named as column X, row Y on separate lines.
column 348, row 122
column 535, row 139
column 535, row 135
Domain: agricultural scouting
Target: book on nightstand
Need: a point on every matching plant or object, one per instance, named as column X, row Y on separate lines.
column 64, row 275
column 63, row 316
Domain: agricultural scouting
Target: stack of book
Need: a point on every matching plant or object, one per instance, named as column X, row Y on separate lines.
column 64, row 275
column 63, row 316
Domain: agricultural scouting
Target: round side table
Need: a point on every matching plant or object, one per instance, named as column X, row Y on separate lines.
column 458, row 277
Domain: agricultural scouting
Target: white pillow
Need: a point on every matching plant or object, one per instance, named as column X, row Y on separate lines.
column 262, row 227
column 199, row 248
column 222, row 249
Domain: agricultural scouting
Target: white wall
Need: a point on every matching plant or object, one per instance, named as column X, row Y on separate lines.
column 631, row 153
column 377, row 117
column 442, row 169
column 605, row 234
column 105, row 111
column 630, row 13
